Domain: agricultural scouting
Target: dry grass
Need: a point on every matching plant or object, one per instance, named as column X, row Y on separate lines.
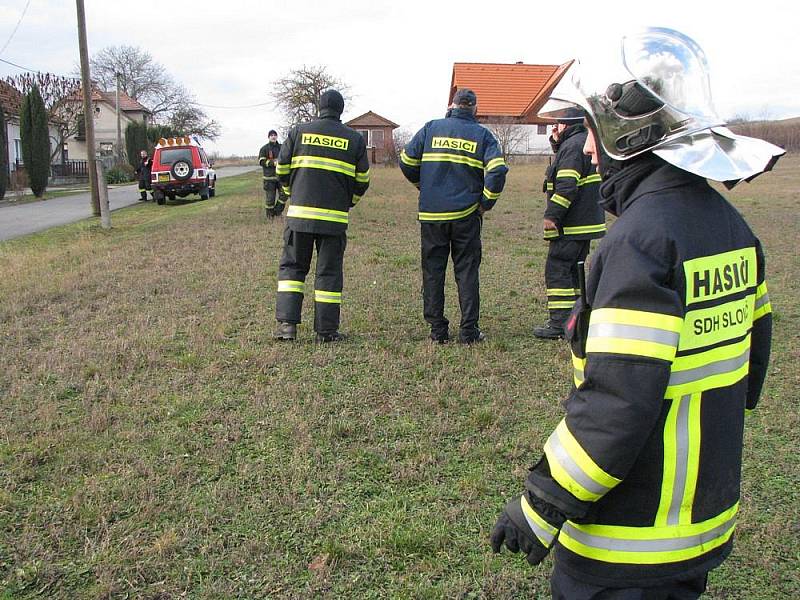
column 157, row 444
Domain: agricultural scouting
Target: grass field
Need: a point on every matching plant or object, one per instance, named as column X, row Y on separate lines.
column 155, row 443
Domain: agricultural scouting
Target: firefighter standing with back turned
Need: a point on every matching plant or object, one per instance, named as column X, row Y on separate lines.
column 459, row 169
column 572, row 219
column 267, row 158
column 324, row 170
column 638, row 488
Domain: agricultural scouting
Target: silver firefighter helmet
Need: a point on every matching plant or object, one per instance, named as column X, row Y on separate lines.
column 652, row 93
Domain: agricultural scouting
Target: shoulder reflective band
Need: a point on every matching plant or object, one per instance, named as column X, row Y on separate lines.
column 362, row 177
column 571, row 173
column 681, row 461
column 543, row 530
column 411, row 162
column 590, row 179
column 447, row 216
column 326, row 164
column 494, row 163
column 710, row 277
column 455, row 144
column 573, row 468
column 648, row 545
column 319, row 214
column 491, row 195
column 719, row 367
column 634, row 332
column 582, row 229
column 578, row 369
column 287, row 285
column 762, row 306
column 453, row 158
column 559, row 199
column 282, row 169
column 326, row 141
column 327, row 297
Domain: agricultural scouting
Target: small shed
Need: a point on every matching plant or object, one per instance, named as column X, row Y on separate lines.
column 377, row 132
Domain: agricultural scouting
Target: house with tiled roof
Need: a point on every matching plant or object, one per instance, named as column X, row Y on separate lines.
column 104, row 107
column 509, row 98
column 377, row 133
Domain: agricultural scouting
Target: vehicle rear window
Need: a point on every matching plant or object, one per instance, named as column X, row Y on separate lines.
column 173, row 155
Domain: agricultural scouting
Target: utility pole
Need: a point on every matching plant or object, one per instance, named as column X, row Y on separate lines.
column 88, row 116
column 119, row 125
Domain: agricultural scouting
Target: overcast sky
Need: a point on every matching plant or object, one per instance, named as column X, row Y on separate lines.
column 397, row 56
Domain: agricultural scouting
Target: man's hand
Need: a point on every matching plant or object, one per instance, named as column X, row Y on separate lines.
column 514, row 529
column 548, row 225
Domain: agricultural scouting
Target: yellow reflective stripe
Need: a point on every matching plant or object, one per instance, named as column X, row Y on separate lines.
column 269, row 178
column 319, row 214
column 287, row 190
column 356, row 199
column 326, row 164
column 491, row 195
column 648, row 545
column 560, row 303
column 288, row 285
column 571, row 173
column 562, row 292
column 411, row 162
column 762, row 304
column 711, row 277
column 573, row 468
column 541, row 528
column 559, row 199
column 719, row 367
column 693, row 460
column 362, row 177
column 580, row 229
column 590, row 179
column 550, row 185
column 710, row 326
column 282, row 168
column 634, row 332
column 578, row 368
column 327, row 297
column 551, row 233
column 454, row 158
column 494, row 163
column 447, row 216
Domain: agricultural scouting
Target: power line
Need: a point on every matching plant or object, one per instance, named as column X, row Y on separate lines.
column 13, row 33
column 8, row 62
column 233, row 107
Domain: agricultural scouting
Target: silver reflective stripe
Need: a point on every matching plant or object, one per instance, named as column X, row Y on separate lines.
column 761, row 301
column 544, row 536
column 634, row 332
column 681, row 460
column 571, row 467
column 657, row 545
column 729, row 365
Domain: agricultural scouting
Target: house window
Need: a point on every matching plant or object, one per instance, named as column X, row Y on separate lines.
column 106, row 149
column 376, row 136
column 365, row 134
column 541, row 129
column 18, row 150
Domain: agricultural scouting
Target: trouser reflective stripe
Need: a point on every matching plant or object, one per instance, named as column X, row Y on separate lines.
column 326, row 296
column 295, row 263
column 273, row 189
column 681, row 461
column 561, row 275
column 462, row 239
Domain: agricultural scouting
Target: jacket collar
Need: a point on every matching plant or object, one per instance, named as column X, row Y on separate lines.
column 462, row 113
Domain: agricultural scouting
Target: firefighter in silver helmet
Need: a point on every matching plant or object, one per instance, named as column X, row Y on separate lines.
column 638, row 488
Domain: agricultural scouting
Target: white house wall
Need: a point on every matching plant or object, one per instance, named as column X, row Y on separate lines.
column 14, row 138
column 532, row 142
column 105, row 131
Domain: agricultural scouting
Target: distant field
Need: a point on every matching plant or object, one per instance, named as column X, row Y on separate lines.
column 155, row 443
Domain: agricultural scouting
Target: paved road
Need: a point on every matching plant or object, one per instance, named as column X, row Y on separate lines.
column 16, row 221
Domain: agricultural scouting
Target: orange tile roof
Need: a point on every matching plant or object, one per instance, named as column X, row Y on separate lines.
column 10, row 98
column 507, row 90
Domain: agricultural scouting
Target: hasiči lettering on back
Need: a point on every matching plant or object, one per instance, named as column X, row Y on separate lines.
column 454, row 144
column 720, row 275
column 326, row 141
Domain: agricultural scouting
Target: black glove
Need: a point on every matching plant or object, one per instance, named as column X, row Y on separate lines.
column 514, row 529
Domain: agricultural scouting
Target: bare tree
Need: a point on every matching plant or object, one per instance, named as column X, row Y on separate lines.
column 297, row 93
column 149, row 83
column 400, row 137
column 510, row 135
column 61, row 101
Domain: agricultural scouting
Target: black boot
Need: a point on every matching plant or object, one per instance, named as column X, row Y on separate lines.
column 330, row 337
column 551, row 330
column 286, row 332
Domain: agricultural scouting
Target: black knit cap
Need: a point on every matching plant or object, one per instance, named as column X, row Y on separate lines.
column 272, row 132
column 331, row 103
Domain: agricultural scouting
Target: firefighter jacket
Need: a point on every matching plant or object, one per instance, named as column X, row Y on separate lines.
column 457, row 165
column 572, row 187
column 267, row 158
column 143, row 171
column 646, row 463
column 324, row 170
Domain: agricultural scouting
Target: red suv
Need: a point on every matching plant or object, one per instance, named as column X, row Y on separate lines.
column 181, row 167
